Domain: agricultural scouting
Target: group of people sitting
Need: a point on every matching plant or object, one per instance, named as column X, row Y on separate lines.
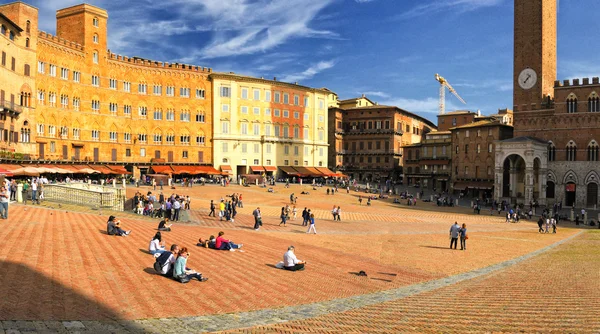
column 173, row 263
column 219, row 243
column 160, row 207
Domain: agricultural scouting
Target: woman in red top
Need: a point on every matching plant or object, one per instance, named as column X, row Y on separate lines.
column 224, row 244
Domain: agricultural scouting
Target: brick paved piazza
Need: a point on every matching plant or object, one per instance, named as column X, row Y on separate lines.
column 62, row 273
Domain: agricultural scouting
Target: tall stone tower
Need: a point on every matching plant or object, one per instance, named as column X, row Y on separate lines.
column 87, row 25
column 534, row 54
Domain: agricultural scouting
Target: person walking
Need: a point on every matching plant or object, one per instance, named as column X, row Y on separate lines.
column 547, row 225
column 334, row 213
column 541, row 225
column 553, row 222
column 463, row 237
column 312, row 224
column 257, row 219
column 283, row 216
column 339, row 214
column 454, row 229
column 305, row 217
column 176, row 208
column 212, row 209
column 221, row 210
column 4, row 199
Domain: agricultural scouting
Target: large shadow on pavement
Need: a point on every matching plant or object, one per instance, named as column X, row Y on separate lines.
column 30, row 295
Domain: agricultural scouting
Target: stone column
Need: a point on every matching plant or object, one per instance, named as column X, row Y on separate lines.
column 542, row 180
column 124, row 184
column 499, row 184
column 114, row 183
column 513, row 182
column 528, row 185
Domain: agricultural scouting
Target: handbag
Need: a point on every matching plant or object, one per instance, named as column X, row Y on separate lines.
column 466, row 237
column 183, row 279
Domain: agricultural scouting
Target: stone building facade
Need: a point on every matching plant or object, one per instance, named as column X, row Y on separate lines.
column 368, row 140
column 260, row 125
column 428, row 163
column 559, row 118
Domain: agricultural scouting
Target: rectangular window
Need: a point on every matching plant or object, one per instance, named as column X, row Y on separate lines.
column 296, row 150
column 170, row 91
column 321, row 135
column 200, row 140
column 306, row 101
column 52, row 70
column 95, row 135
column 306, row 116
column 184, row 92
column 277, row 132
column 76, row 133
column 142, row 88
column 296, row 100
column 157, row 115
column 268, row 149
column 256, row 150
column 286, row 98
column 184, row 154
column 127, row 152
column 286, row 132
column 225, row 91
column 64, row 101
column 127, row 137
column 95, row 81
column 157, row 90
column 244, row 128
column 225, row 127
column 296, row 115
column 286, row 113
column 225, row 148
column 64, row 73
column 267, row 130
column 95, row 106
column 127, row 110
column 244, row 148
column 225, row 108
column 296, row 132
column 321, row 151
column 267, row 112
column 277, row 113
column 321, row 104
column 321, row 118
column 277, row 97
column 200, row 93
column 256, row 110
column 256, row 129
column 41, row 65
column 170, row 115
column 306, row 134
column 113, row 108
column 113, row 136
column 143, row 112
column 244, row 110
column 76, row 76
column 256, row 93
column 126, row 86
column 268, row 96
column 142, row 152
column 112, row 83
column 76, row 103
column 245, row 93
column 200, row 118
column 286, row 150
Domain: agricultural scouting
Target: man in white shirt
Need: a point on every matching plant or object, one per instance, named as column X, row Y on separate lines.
column 33, row 190
column 291, row 262
column 167, row 260
column 176, row 208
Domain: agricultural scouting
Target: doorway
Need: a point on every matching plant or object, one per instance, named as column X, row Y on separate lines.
column 570, row 194
column 592, row 195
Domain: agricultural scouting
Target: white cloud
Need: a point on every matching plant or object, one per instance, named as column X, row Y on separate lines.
column 309, row 72
column 377, row 93
column 363, row 1
column 447, row 5
column 579, row 69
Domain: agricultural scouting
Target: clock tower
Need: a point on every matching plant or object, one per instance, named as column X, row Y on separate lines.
column 535, row 53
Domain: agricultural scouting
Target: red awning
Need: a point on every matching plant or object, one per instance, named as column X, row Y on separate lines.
column 270, row 168
column 207, row 170
column 118, row 170
column 184, row 169
column 6, row 172
column 162, row 169
column 325, row 171
column 10, row 168
column 226, row 169
column 257, row 169
column 102, row 169
column 314, row 171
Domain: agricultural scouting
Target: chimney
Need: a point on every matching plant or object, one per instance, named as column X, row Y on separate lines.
column 274, row 78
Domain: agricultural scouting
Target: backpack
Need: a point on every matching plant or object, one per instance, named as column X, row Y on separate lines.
column 161, row 261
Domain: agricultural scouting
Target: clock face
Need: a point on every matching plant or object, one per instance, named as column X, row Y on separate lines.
column 527, row 78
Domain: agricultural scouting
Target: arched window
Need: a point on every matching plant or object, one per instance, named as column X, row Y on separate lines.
column 572, row 104
column 28, row 27
column 27, row 42
column 3, row 29
column 571, row 151
column 95, row 22
column 11, row 35
column 592, row 151
column 594, row 103
column 96, row 39
column 551, row 152
column 95, row 57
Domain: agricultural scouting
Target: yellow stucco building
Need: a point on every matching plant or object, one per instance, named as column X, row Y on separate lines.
column 268, row 126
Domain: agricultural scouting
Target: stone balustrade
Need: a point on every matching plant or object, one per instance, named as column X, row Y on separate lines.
column 86, row 194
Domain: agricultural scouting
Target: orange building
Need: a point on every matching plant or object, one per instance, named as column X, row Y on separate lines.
column 92, row 105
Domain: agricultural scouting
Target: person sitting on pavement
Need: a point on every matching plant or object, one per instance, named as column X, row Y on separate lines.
column 224, row 244
column 164, row 226
column 113, row 227
column 291, row 262
column 157, row 246
column 210, row 243
column 165, row 262
column 181, row 272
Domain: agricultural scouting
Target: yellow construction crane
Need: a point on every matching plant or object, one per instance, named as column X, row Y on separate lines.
column 443, row 84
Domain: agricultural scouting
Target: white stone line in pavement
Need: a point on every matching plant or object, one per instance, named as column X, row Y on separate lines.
column 266, row 317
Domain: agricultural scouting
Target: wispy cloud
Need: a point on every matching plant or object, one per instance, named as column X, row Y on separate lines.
column 377, row 93
column 309, row 72
column 445, row 5
column 579, row 69
column 363, row 1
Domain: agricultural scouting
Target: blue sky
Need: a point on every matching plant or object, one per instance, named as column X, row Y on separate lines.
column 386, row 49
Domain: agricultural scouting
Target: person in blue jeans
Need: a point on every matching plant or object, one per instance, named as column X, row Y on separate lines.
column 4, row 198
column 283, row 217
column 463, row 237
column 183, row 274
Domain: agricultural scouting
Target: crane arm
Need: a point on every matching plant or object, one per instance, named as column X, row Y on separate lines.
column 453, row 91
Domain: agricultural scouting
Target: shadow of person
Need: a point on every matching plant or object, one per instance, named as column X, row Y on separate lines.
column 271, row 265
column 29, row 295
column 145, row 251
column 436, row 247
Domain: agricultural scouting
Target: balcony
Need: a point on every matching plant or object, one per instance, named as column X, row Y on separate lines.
column 368, row 131
column 10, row 107
column 368, row 152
